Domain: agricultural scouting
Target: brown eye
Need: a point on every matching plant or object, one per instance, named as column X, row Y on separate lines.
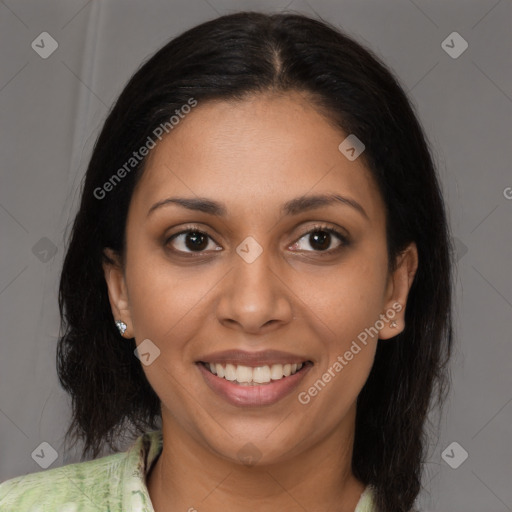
column 191, row 240
column 320, row 239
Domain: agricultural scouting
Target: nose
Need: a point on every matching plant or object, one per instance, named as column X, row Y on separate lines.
column 254, row 298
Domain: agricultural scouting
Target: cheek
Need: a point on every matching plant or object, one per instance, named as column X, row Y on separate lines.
column 346, row 312
column 356, row 293
column 168, row 307
column 169, row 304
column 346, row 299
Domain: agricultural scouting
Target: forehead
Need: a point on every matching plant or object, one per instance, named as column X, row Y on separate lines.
column 254, row 154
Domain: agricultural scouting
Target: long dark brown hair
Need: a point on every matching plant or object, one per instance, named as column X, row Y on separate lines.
column 233, row 57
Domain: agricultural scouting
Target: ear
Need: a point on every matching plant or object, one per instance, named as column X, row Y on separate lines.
column 397, row 291
column 117, row 292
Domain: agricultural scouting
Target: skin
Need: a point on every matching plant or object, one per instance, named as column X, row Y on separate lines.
column 253, row 156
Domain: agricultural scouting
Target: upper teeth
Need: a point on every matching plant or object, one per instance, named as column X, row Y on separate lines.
column 248, row 374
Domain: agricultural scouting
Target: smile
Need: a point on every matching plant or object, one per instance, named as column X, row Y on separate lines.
column 248, row 376
column 245, row 386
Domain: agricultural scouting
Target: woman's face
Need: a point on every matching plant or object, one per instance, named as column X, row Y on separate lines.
column 256, row 289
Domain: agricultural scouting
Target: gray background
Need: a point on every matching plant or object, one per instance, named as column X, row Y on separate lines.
column 51, row 110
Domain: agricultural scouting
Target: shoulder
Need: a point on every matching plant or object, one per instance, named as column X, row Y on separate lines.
column 115, row 482
column 76, row 487
column 366, row 502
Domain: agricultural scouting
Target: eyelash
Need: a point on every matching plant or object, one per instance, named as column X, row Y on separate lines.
column 320, row 227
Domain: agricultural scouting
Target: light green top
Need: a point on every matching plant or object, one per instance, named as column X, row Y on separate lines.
column 115, row 483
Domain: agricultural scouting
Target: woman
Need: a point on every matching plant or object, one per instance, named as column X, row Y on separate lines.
column 258, row 283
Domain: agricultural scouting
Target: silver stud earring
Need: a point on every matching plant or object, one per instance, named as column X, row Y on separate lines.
column 393, row 324
column 121, row 326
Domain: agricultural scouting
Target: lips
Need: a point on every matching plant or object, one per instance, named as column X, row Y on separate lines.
column 253, row 359
column 253, row 378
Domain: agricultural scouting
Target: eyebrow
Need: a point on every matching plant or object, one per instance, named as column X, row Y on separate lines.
column 292, row 207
